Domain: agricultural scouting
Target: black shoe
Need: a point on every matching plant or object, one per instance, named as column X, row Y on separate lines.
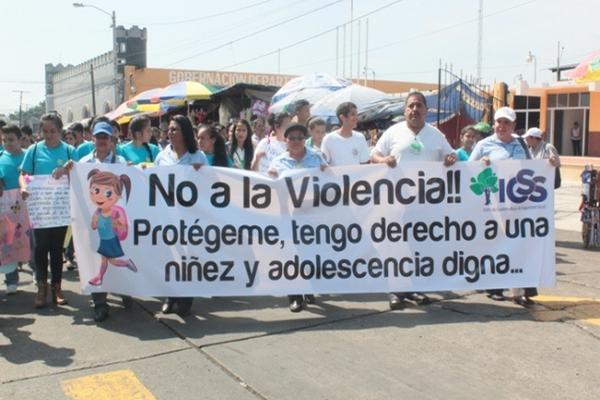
column 309, row 299
column 497, row 296
column 100, row 312
column 71, row 265
column 296, row 306
column 183, row 305
column 167, row 307
column 127, row 301
column 396, row 302
column 184, row 309
column 523, row 301
column 419, row 298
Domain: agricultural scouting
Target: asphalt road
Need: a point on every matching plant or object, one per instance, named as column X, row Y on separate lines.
column 463, row 346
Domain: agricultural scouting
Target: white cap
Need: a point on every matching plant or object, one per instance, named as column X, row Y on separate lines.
column 505, row 112
column 534, row 132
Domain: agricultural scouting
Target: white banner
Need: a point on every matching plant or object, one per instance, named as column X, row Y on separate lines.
column 370, row 228
column 48, row 201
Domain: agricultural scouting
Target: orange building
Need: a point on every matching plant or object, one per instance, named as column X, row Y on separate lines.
column 138, row 80
column 555, row 109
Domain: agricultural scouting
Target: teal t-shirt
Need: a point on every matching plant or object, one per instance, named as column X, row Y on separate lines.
column 462, row 155
column 42, row 160
column 139, row 154
column 85, row 148
column 10, row 169
column 211, row 160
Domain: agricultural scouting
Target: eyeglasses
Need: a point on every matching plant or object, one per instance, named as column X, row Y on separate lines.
column 295, row 138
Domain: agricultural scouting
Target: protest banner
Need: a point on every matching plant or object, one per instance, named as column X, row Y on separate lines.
column 48, row 201
column 14, row 228
column 175, row 231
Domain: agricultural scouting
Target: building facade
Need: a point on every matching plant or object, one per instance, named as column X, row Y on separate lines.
column 95, row 86
column 555, row 109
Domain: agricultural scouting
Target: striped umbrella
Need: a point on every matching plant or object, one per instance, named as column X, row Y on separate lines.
column 180, row 92
column 588, row 70
column 123, row 114
column 146, row 97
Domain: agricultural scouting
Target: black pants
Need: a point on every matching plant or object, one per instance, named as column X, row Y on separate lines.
column 576, row 147
column 99, row 298
column 70, row 251
column 49, row 241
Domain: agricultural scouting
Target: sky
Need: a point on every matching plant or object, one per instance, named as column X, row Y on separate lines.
column 407, row 39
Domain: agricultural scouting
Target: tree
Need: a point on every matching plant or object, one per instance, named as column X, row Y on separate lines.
column 34, row 112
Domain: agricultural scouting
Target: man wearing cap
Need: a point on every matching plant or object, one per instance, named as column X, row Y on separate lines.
column 104, row 154
column 297, row 156
column 504, row 144
column 412, row 140
column 103, row 146
column 539, row 149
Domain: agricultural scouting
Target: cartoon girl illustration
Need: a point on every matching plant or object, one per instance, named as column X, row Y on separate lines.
column 109, row 219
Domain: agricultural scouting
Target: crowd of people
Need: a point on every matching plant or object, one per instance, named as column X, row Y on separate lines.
column 270, row 146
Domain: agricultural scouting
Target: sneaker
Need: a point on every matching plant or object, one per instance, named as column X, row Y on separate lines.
column 11, row 289
column 71, row 265
column 127, row 301
column 101, row 312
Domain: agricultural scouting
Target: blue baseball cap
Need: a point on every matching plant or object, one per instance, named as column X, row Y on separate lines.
column 102, row 127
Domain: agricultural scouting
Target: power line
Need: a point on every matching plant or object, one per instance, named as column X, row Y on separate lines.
column 256, row 32
column 237, row 25
column 429, row 33
column 310, row 37
column 24, row 82
column 204, row 17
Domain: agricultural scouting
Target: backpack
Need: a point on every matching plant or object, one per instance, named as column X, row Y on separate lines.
column 119, row 214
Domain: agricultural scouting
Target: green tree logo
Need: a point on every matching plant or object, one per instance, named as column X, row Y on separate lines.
column 486, row 182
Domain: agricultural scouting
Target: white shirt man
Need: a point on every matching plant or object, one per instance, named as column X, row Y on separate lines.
column 345, row 146
column 412, row 140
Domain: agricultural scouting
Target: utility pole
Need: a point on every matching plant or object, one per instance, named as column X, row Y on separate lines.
column 366, row 50
column 351, row 34
column 358, row 52
column 279, row 61
column 93, row 89
column 337, row 50
column 20, row 105
column 558, row 51
column 479, row 41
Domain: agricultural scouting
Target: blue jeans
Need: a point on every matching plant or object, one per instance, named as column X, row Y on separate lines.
column 12, row 278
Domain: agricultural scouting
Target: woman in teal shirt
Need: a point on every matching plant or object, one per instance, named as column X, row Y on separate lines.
column 212, row 144
column 49, row 157
column 11, row 157
column 139, row 150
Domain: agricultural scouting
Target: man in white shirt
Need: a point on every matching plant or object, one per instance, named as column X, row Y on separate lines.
column 412, row 140
column 345, row 146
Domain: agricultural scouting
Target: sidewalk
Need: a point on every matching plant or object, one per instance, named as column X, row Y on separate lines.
column 566, row 205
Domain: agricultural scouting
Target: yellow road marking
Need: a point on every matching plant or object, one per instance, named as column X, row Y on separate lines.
column 114, row 385
column 584, row 309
